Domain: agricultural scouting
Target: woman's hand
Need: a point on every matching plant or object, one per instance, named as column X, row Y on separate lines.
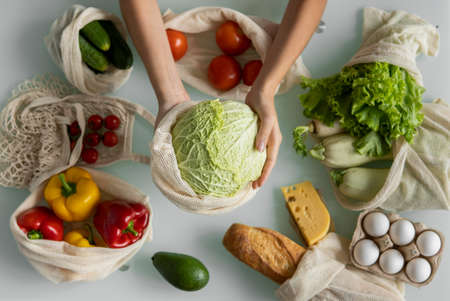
column 269, row 134
column 166, row 106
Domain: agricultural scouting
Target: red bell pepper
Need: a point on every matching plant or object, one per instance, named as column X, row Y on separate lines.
column 40, row 222
column 121, row 223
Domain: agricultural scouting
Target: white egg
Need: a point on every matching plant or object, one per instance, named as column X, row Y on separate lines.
column 418, row 270
column 376, row 224
column 402, row 232
column 428, row 243
column 366, row 252
column 391, row 261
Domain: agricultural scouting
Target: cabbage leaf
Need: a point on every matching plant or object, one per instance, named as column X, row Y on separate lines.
column 214, row 147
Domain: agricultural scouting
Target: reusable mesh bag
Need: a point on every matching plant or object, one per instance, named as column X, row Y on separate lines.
column 63, row 46
column 200, row 24
column 166, row 174
column 419, row 175
column 325, row 274
column 59, row 261
column 34, row 143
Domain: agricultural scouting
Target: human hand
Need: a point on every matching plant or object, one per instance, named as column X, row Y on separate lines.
column 269, row 135
column 166, row 106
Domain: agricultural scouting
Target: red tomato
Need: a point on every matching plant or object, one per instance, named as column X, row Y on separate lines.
column 110, row 139
column 92, row 139
column 231, row 39
column 251, row 71
column 74, row 129
column 89, row 155
column 112, row 122
column 224, row 72
column 95, row 122
column 178, row 43
column 72, row 144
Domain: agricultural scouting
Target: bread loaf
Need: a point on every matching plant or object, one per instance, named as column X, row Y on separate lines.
column 265, row 250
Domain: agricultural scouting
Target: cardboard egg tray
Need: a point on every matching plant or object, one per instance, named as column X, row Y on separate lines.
column 384, row 243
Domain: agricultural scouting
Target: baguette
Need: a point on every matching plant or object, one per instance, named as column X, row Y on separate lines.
column 265, row 250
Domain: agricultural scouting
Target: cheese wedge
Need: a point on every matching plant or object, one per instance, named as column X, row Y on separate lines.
column 308, row 211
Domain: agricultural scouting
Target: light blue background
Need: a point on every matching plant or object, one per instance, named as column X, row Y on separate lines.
column 23, row 55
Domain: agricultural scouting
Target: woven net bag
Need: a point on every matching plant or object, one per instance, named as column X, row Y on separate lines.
column 34, row 143
column 63, row 45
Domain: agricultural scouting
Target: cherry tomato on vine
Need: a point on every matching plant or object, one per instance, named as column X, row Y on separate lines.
column 251, row 71
column 89, row 155
column 74, row 130
column 178, row 43
column 224, row 72
column 231, row 39
column 92, row 139
column 110, row 139
column 112, row 122
column 95, row 122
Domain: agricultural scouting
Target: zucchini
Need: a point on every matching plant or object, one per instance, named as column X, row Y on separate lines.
column 337, row 151
column 360, row 183
column 119, row 54
column 92, row 56
column 96, row 34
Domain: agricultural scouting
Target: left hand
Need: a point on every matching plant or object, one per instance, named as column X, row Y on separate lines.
column 269, row 135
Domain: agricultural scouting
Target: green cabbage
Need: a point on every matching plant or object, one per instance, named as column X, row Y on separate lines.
column 376, row 102
column 214, row 146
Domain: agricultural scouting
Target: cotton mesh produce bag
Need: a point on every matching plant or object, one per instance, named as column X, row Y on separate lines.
column 324, row 273
column 34, row 142
column 63, row 45
column 200, row 25
column 419, row 176
column 166, row 174
column 59, row 261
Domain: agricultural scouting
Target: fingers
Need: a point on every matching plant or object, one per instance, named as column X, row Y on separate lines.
column 272, row 153
column 265, row 128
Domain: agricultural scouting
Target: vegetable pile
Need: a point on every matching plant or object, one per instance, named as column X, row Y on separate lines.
column 101, row 44
column 375, row 102
column 73, row 196
column 214, row 147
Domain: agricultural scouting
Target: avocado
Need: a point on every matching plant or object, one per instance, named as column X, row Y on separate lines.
column 182, row 271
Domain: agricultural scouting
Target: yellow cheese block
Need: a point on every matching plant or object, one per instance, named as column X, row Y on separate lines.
column 308, row 211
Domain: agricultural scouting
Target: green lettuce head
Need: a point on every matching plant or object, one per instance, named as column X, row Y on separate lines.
column 214, row 146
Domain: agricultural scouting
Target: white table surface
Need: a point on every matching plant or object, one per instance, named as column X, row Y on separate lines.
column 23, row 55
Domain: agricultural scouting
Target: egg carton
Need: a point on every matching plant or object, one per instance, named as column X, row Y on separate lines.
column 409, row 251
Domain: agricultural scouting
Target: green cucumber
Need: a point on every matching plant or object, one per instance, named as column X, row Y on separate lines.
column 91, row 56
column 96, row 34
column 119, row 54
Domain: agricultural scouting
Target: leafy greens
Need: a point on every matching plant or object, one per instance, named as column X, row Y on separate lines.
column 214, row 147
column 376, row 102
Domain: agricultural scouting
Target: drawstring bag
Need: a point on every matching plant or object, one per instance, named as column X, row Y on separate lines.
column 34, row 142
column 419, row 175
column 325, row 273
column 62, row 44
column 59, row 261
column 200, row 25
column 167, row 177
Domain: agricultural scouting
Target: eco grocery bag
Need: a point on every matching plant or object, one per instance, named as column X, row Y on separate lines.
column 324, row 273
column 59, row 261
column 167, row 176
column 63, row 45
column 34, row 143
column 200, row 24
column 419, row 176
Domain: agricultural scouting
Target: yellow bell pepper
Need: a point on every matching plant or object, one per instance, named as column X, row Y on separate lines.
column 82, row 237
column 72, row 195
